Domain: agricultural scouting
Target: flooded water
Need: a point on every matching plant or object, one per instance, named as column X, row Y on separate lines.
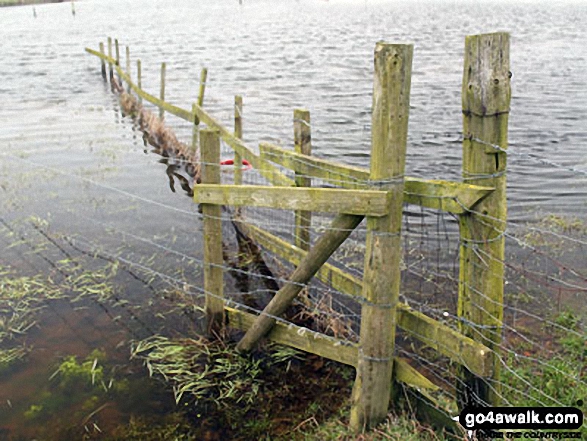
column 71, row 163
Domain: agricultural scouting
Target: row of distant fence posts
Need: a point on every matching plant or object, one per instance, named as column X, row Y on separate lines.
column 377, row 194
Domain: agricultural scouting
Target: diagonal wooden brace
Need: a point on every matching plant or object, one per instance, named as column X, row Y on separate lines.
column 341, row 228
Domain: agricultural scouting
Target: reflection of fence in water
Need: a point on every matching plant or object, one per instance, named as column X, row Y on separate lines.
column 430, row 278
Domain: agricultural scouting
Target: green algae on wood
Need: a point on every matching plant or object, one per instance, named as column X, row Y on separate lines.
column 302, row 145
column 213, row 259
column 486, row 95
column 330, row 200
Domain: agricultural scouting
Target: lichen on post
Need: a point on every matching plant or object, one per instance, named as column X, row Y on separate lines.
column 486, row 98
column 162, row 91
column 213, row 260
column 303, row 145
column 381, row 280
column 238, row 132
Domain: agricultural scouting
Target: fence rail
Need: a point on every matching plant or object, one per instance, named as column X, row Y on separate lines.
column 377, row 194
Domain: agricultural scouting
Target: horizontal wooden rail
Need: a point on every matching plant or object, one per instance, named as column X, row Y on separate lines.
column 323, row 345
column 268, row 170
column 453, row 197
column 329, row 200
column 447, row 341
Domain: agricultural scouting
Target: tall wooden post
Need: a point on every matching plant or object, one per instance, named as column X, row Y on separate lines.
column 381, row 282
column 128, row 66
column 203, row 77
column 238, row 132
column 213, row 274
column 486, row 104
column 111, row 70
column 102, row 61
column 200, row 103
column 303, row 145
column 139, row 80
column 162, row 90
column 195, row 130
column 117, row 51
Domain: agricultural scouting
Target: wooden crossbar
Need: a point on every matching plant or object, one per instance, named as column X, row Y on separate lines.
column 447, row 341
column 329, row 200
column 323, row 345
column 453, row 197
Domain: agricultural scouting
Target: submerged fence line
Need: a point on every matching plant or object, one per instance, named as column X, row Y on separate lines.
column 473, row 337
column 373, row 387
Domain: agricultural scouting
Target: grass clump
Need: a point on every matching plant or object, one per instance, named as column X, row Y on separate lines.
column 554, row 377
column 212, row 371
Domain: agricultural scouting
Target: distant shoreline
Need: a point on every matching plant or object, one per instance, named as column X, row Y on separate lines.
column 27, row 2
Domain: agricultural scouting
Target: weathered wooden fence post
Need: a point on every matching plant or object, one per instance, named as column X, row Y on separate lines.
column 128, row 67
column 200, row 103
column 213, row 273
column 203, row 78
column 117, row 51
column 381, row 282
column 162, row 90
column 195, row 130
column 238, row 132
column 486, row 103
column 303, row 145
column 102, row 61
column 111, row 70
column 139, row 80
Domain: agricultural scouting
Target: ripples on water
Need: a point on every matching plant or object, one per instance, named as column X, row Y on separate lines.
column 317, row 55
column 59, row 121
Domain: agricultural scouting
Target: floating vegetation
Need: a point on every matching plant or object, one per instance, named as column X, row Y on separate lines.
column 21, row 297
column 11, row 356
column 213, row 371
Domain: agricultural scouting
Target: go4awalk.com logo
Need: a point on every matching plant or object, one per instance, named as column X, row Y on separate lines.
column 524, row 422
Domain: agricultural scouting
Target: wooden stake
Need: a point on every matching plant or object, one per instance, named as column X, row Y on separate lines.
column 111, row 72
column 162, row 91
column 213, row 274
column 195, row 131
column 342, row 227
column 128, row 65
column 102, row 61
column 381, row 280
column 117, row 52
column 203, row 77
column 139, row 80
column 486, row 104
column 238, row 132
column 303, row 145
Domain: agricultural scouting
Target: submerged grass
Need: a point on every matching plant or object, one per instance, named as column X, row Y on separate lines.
column 204, row 370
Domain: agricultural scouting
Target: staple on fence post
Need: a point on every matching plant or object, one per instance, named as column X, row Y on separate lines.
column 303, row 145
column 381, row 281
column 128, row 67
column 111, row 72
column 102, row 60
column 139, row 81
column 238, row 132
column 213, row 274
column 162, row 91
column 486, row 100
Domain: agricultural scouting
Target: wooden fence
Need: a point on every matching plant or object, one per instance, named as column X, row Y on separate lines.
column 377, row 194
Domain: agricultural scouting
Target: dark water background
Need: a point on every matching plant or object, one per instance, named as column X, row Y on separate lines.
column 68, row 157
